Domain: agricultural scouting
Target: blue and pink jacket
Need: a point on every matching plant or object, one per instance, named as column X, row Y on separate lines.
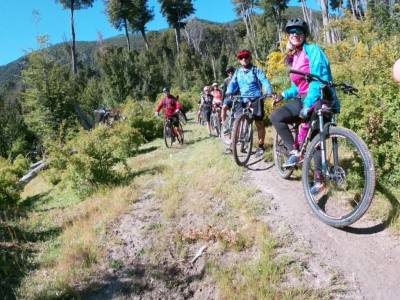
column 311, row 59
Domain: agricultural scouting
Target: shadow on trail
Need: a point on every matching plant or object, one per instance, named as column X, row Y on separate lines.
column 17, row 252
column 392, row 216
column 143, row 280
column 146, row 150
column 253, row 166
column 199, row 139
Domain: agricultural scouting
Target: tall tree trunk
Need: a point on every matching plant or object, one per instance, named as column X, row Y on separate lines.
column 146, row 42
column 73, row 46
column 213, row 67
column 128, row 42
column 177, row 38
column 325, row 21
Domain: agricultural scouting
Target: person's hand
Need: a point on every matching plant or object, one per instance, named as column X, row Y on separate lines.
column 157, row 113
column 304, row 113
column 276, row 98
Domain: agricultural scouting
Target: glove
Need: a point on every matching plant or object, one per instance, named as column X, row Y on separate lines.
column 304, row 113
column 277, row 98
column 157, row 113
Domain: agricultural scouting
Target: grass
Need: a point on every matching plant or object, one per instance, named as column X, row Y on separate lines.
column 204, row 199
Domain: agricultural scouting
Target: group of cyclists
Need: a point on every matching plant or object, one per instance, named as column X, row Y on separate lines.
column 249, row 83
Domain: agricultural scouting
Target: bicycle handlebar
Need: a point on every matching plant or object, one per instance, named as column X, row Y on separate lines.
column 344, row 86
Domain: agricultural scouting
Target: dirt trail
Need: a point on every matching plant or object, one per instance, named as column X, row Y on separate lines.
column 365, row 255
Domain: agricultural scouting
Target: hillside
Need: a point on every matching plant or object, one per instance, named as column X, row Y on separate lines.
column 86, row 49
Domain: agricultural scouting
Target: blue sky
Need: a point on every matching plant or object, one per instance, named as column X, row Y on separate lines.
column 19, row 27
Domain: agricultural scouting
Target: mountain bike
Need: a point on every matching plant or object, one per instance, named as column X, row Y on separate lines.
column 215, row 121
column 242, row 133
column 335, row 154
column 230, row 118
column 169, row 136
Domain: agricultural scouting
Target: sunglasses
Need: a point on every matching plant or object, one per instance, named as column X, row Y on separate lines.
column 244, row 57
column 296, row 31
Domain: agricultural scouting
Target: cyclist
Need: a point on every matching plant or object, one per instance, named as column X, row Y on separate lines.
column 250, row 80
column 217, row 98
column 230, row 71
column 308, row 58
column 171, row 106
column 206, row 102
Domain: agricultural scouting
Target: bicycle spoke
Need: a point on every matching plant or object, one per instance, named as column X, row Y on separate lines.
column 346, row 191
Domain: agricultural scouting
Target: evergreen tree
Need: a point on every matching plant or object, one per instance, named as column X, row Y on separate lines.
column 175, row 11
column 140, row 15
column 73, row 5
column 118, row 12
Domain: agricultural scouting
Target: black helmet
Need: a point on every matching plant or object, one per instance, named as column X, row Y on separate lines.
column 230, row 69
column 297, row 23
column 165, row 89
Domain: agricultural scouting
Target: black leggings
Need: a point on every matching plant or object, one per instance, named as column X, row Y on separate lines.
column 281, row 117
column 284, row 115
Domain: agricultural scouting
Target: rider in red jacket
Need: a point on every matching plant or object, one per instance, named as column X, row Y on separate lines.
column 169, row 103
column 171, row 106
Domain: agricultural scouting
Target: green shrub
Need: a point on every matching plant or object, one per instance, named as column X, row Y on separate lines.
column 140, row 115
column 9, row 190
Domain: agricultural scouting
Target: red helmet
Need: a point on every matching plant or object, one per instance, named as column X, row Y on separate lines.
column 243, row 53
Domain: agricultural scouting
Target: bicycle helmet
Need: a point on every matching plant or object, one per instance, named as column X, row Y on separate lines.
column 230, row 69
column 214, row 84
column 243, row 53
column 165, row 89
column 297, row 23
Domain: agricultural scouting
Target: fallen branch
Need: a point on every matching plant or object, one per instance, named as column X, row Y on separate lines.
column 35, row 169
column 198, row 254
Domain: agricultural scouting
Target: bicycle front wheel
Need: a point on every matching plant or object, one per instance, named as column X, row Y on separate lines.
column 168, row 135
column 242, row 139
column 348, row 187
column 215, row 124
column 281, row 154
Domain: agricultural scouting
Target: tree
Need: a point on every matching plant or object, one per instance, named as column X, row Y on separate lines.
column 244, row 8
column 73, row 5
column 118, row 12
column 275, row 9
column 139, row 16
column 175, row 11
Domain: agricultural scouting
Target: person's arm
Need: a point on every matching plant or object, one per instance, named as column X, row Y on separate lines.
column 160, row 105
column 319, row 65
column 264, row 81
column 290, row 92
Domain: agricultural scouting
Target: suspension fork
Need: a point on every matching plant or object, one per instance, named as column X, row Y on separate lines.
column 324, row 131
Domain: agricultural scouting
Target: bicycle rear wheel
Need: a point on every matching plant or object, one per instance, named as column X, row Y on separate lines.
column 242, row 139
column 168, row 135
column 181, row 135
column 281, row 154
column 349, row 187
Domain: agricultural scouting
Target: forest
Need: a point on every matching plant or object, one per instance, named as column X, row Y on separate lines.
column 48, row 98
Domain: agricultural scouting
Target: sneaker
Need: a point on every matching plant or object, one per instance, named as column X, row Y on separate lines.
column 292, row 160
column 259, row 151
column 228, row 151
column 317, row 188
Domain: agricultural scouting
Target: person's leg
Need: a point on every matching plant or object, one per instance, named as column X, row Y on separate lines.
column 208, row 118
column 282, row 116
column 260, row 132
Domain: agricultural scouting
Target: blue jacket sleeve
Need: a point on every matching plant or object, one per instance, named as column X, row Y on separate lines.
column 264, row 81
column 319, row 65
column 291, row 92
